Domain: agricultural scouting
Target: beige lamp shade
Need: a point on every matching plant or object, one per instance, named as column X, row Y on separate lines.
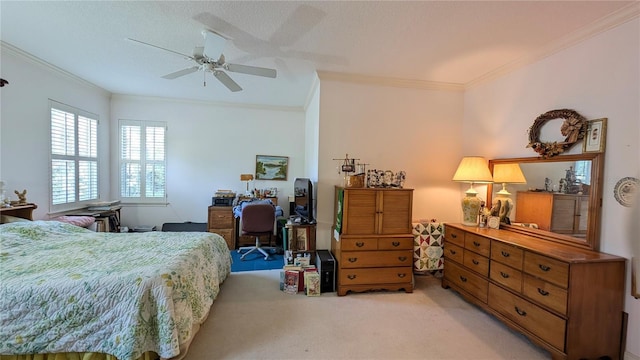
column 247, row 178
column 472, row 169
column 507, row 174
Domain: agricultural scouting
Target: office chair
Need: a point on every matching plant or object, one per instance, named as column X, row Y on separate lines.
column 257, row 220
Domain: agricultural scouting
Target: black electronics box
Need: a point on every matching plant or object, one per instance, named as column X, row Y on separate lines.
column 326, row 264
column 222, row 201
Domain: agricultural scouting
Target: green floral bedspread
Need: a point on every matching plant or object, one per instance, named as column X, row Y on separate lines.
column 65, row 289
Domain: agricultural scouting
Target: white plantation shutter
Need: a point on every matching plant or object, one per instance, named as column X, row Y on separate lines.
column 74, row 157
column 142, row 161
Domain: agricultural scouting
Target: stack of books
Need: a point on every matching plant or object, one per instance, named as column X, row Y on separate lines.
column 296, row 278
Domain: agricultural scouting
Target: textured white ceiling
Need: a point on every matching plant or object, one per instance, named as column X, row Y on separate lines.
column 454, row 42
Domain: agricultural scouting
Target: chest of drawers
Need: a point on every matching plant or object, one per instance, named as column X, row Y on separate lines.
column 221, row 221
column 567, row 300
column 375, row 247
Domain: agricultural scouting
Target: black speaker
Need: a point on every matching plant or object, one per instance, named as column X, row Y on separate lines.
column 326, row 264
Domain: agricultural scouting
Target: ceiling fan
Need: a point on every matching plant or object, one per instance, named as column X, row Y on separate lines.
column 209, row 58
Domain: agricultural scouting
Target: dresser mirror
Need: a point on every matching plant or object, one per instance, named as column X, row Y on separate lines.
column 554, row 183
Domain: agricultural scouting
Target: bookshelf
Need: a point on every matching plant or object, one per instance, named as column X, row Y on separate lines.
column 300, row 238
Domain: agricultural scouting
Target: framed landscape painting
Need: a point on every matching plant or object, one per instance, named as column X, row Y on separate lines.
column 270, row 167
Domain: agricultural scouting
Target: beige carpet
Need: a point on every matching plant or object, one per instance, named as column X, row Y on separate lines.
column 253, row 319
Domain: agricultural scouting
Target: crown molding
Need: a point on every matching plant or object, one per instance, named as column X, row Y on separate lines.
column 15, row 51
column 599, row 26
column 208, row 102
column 392, row 82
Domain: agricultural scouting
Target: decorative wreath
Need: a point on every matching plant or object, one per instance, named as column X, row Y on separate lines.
column 573, row 128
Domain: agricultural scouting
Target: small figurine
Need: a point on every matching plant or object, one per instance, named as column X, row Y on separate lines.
column 22, row 196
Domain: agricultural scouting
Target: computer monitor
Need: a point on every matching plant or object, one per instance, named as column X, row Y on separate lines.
column 303, row 202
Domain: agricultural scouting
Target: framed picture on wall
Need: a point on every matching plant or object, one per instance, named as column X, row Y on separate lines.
column 269, row 167
column 594, row 139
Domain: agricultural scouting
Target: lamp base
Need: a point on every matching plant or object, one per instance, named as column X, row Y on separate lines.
column 470, row 209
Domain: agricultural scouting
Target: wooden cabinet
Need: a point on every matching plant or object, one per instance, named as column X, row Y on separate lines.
column 372, row 241
column 559, row 213
column 565, row 299
column 222, row 222
column 24, row 211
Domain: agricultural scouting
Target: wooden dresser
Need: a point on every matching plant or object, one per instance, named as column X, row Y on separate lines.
column 559, row 213
column 222, row 222
column 374, row 243
column 566, row 299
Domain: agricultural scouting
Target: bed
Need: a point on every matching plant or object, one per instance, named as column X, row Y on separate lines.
column 66, row 289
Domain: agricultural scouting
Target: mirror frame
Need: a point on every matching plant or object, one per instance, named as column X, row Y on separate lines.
column 592, row 240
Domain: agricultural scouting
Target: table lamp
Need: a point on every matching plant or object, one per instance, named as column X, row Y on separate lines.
column 247, row 178
column 472, row 169
column 506, row 174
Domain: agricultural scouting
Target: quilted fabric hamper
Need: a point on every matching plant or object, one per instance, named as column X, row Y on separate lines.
column 427, row 248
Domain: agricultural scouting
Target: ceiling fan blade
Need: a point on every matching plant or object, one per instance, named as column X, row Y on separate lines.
column 182, row 72
column 226, row 80
column 251, row 70
column 213, row 44
column 161, row 48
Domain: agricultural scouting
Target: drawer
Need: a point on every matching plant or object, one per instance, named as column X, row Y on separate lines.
column 392, row 275
column 467, row 280
column 227, row 234
column 221, row 218
column 453, row 252
column 360, row 259
column 396, row 243
column 507, row 254
column 546, row 268
column 351, row 244
column 551, row 296
column 506, row 276
column 540, row 322
column 477, row 263
column 454, row 236
column 478, row 244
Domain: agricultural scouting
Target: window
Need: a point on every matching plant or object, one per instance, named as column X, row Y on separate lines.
column 74, row 157
column 142, row 161
column 583, row 171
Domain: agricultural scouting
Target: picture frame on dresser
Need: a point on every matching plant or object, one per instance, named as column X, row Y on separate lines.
column 270, row 167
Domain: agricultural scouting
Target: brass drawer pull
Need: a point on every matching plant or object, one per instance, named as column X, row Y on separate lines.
column 464, row 279
column 505, row 254
column 402, row 258
column 351, row 277
column 504, row 274
column 475, row 262
column 453, row 252
column 402, row 275
column 453, row 236
column 359, row 244
column 542, row 292
column 396, row 243
column 521, row 312
column 544, row 267
column 476, row 244
column 353, row 259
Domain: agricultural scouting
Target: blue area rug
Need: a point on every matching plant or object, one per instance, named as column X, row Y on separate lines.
column 255, row 261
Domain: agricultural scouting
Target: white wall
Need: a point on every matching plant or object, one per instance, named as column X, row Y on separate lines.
column 25, row 121
column 597, row 78
column 391, row 128
column 208, row 147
